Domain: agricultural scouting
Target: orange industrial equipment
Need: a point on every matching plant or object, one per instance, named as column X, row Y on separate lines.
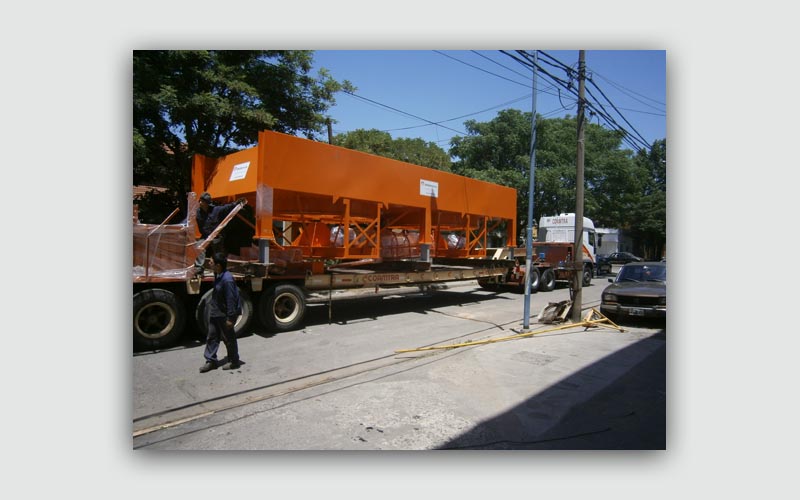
column 330, row 202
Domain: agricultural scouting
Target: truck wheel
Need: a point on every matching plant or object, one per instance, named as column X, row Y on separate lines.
column 488, row 284
column 547, row 282
column 282, row 307
column 158, row 318
column 587, row 275
column 242, row 323
column 535, row 280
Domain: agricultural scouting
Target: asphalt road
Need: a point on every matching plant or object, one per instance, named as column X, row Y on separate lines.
column 341, row 385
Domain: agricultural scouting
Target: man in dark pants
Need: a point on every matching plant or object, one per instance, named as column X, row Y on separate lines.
column 208, row 218
column 223, row 311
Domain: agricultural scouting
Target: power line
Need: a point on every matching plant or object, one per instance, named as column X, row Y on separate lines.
column 497, row 63
column 481, row 69
column 637, row 134
column 460, row 132
column 526, row 85
column 643, row 112
column 633, row 139
column 618, row 112
column 522, row 98
column 627, row 138
column 628, row 91
column 439, row 123
column 535, row 66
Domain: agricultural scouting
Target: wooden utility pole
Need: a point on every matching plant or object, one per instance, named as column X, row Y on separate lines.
column 330, row 132
column 577, row 249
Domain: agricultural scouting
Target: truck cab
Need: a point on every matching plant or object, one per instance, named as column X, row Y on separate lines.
column 561, row 229
column 555, row 242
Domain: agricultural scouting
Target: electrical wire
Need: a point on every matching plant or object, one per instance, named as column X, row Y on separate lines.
column 521, row 98
column 497, row 63
column 633, row 139
column 481, row 69
column 628, row 92
column 460, row 132
column 545, row 90
column 644, row 141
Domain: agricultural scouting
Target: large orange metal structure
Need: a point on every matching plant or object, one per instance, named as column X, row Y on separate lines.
column 320, row 218
column 305, row 191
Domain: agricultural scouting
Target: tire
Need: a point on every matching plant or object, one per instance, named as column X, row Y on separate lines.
column 488, row 284
column 547, row 283
column 242, row 323
column 587, row 275
column 158, row 318
column 282, row 307
column 535, row 280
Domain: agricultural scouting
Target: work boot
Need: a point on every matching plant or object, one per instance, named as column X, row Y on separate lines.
column 208, row 367
column 232, row 365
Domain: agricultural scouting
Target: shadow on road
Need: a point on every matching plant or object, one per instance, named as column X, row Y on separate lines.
column 351, row 310
column 629, row 414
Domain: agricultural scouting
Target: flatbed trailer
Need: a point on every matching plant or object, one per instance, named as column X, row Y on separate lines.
column 320, row 218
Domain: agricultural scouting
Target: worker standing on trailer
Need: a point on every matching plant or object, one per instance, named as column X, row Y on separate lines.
column 224, row 309
column 208, row 218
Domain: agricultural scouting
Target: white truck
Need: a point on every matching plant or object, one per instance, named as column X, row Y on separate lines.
column 561, row 229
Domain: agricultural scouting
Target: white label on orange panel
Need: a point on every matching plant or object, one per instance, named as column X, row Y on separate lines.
column 429, row 188
column 239, row 171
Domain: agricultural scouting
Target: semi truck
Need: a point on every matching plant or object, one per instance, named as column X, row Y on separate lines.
column 551, row 259
column 318, row 219
column 555, row 243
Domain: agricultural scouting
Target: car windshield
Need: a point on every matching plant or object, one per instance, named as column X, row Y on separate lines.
column 643, row 273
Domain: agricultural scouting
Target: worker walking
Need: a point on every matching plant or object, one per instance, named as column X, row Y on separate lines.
column 208, row 218
column 223, row 310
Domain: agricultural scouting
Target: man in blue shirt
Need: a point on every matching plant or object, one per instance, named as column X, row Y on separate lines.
column 224, row 309
column 208, row 218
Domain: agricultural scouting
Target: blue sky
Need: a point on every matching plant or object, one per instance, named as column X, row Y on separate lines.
column 442, row 85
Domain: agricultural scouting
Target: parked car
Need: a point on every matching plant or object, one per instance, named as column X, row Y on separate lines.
column 623, row 258
column 639, row 290
column 603, row 265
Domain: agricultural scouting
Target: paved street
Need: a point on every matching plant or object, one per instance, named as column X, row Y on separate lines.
column 342, row 386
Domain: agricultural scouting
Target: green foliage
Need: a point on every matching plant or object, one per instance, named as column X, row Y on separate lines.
column 650, row 211
column 215, row 102
column 620, row 191
column 416, row 151
column 155, row 207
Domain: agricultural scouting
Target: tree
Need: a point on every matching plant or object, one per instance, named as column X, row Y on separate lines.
column 416, row 151
column 216, row 102
column 650, row 213
column 499, row 151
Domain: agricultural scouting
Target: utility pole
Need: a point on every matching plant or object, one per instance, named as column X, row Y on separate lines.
column 330, row 132
column 526, row 316
column 577, row 249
